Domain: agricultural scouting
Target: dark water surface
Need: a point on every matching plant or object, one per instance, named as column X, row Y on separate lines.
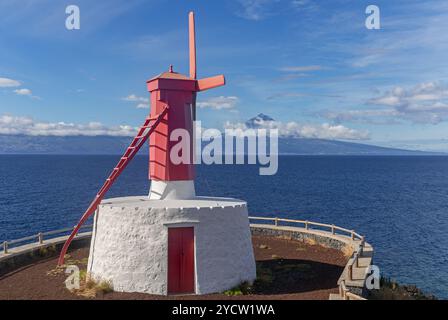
column 399, row 203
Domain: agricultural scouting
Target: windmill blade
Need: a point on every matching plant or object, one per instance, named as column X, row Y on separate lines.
column 192, row 45
column 210, row 83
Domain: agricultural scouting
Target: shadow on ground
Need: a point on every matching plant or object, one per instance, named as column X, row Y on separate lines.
column 282, row 276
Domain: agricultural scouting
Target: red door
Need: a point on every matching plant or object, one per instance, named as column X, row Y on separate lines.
column 180, row 260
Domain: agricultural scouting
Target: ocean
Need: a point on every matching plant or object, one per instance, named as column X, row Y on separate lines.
column 399, row 203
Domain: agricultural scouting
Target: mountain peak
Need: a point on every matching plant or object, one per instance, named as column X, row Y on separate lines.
column 258, row 120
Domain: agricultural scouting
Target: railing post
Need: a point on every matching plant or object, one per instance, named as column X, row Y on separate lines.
column 40, row 236
column 5, row 247
column 276, row 222
column 333, row 229
column 353, row 234
column 343, row 291
column 350, row 272
column 306, row 225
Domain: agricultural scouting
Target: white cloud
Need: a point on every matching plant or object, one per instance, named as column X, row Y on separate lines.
column 424, row 92
column 373, row 116
column 134, row 98
column 299, row 3
column 256, row 9
column 259, row 9
column 424, row 103
column 14, row 125
column 293, row 95
column 294, row 72
column 302, row 130
column 301, row 68
column 23, row 92
column 219, row 103
column 367, row 60
column 143, row 103
column 7, row 83
column 143, row 106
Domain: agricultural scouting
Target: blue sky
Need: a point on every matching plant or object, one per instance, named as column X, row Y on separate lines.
column 311, row 65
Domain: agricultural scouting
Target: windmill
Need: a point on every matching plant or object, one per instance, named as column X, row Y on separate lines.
column 163, row 243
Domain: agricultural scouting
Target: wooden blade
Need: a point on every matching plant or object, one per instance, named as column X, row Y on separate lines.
column 192, row 44
column 210, row 83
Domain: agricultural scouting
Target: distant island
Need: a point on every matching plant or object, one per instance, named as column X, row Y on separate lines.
column 10, row 144
column 85, row 145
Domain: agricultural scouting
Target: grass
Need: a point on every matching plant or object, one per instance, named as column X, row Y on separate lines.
column 236, row 291
column 104, row 287
column 82, row 263
column 90, row 288
column 70, row 261
column 392, row 290
column 347, row 251
column 310, row 241
column 46, row 251
column 264, row 281
column 244, row 288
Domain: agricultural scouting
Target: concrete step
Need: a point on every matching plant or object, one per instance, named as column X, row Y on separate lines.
column 335, row 296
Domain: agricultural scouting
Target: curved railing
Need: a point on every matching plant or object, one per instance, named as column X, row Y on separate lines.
column 309, row 224
column 358, row 241
column 40, row 237
column 331, row 228
column 345, row 294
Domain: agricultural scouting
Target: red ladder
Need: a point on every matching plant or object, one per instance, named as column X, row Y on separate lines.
column 139, row 140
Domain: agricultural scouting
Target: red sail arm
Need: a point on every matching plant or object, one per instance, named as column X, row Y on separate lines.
column 210, row 83
column 142, row 135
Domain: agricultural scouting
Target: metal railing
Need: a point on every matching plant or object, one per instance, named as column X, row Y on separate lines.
column 335, row 230
column 308, row 225
column 355, row 261
column 346, row 294
column 39, row 237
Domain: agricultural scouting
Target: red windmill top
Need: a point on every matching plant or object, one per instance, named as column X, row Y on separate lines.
column 176, row 92
column 173, row 106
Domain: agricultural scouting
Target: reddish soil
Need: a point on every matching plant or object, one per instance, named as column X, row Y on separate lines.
column 286, row 269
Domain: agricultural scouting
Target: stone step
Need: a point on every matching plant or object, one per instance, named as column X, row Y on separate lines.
column 335, row 296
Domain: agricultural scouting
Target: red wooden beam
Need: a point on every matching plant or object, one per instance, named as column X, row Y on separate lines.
column 192, row 44
column 129, row 154
column 210, row 83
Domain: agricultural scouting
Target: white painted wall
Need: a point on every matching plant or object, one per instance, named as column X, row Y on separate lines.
column 160, row 190
column 130, row 238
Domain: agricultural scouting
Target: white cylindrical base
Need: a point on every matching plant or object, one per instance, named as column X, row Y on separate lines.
column 130, row 243
column 161, row 190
